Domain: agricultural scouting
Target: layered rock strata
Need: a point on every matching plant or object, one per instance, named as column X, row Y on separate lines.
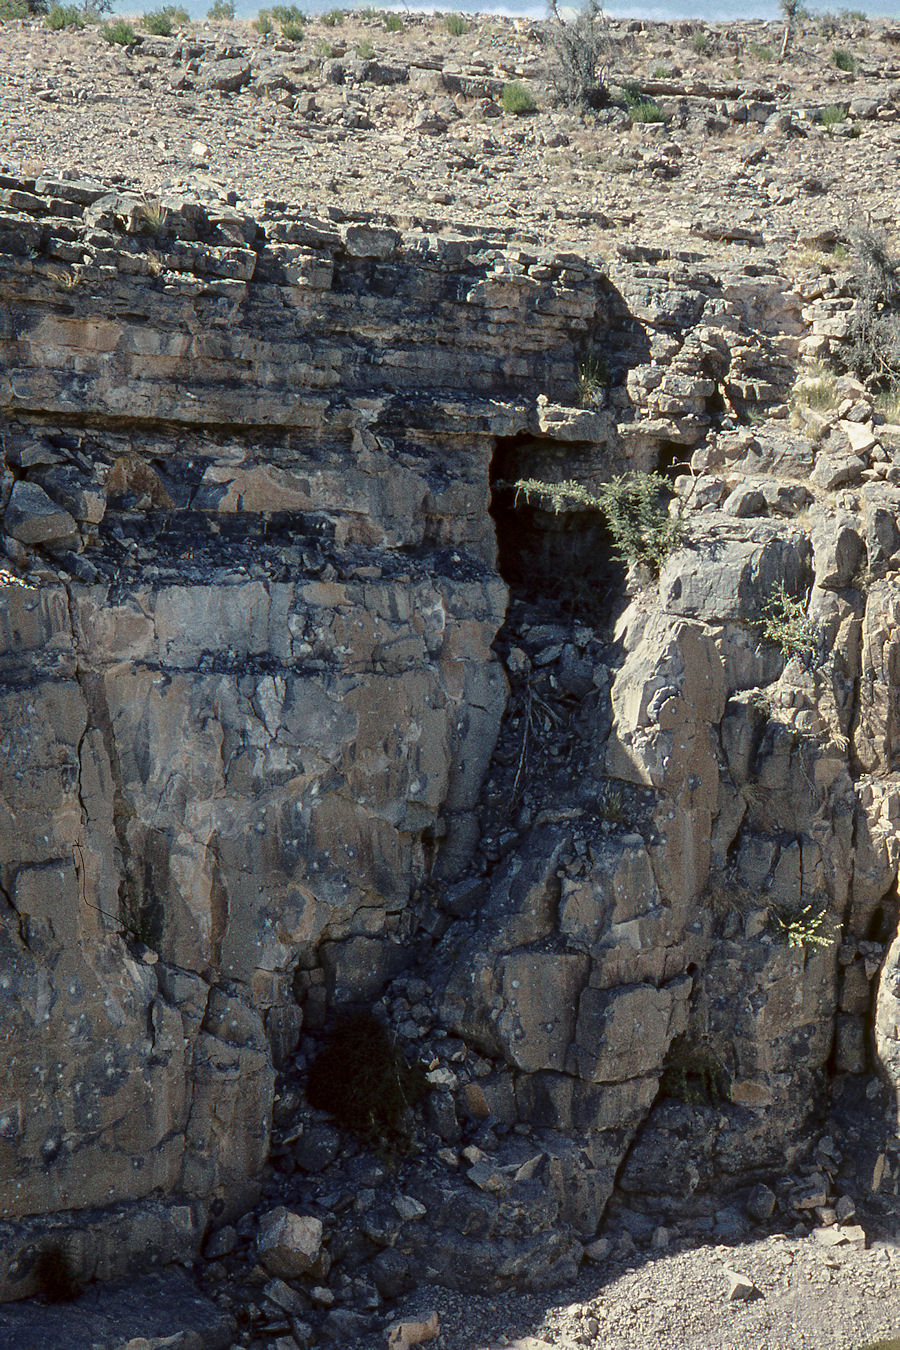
column 251, row 699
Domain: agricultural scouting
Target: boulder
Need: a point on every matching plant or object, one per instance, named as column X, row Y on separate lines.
column 33, row 517
column 288, row 1244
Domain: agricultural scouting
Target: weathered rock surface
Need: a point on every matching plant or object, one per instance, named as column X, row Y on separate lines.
column 262, row 758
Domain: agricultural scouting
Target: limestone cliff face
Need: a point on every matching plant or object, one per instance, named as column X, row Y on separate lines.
column 251, row 698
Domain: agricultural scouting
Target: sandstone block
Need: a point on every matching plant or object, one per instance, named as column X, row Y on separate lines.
column 288, row 1244
column 34, row 518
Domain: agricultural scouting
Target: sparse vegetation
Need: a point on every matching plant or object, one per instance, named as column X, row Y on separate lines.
column 611, row 805
column 324, row 50
column 221, row 10
column 634, row 506
column 455, row 24
column 64, row 16
column 580, row 55
column 760, row 51
column 119, row 33
column 160, row 22
column 816, row 390
column 392, row 23
column 700, row 43
column 831, row 116
column 153, row 217
column 844, row 60
column 887, row 402
column 786, row 624
column 263, row 23
column 332, row 18
column 362, row 1078
column 364, row 49
column 291, row 21
column 516, row 98
column 806, row 926
column 593, row 379
column 874, row 353
column 640, row 107
column 21, row 9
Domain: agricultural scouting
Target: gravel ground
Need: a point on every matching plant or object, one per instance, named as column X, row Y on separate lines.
column 807, row 1295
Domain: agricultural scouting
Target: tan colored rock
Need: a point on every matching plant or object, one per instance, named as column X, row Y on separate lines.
column 288, row 1244
column 402, row 1335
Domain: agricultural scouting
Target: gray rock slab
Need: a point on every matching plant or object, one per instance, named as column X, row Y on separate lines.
column 162, row 1309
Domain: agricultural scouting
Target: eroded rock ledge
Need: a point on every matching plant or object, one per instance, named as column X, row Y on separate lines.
column 261, row 755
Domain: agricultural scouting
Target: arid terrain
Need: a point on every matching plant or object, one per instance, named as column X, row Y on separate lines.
column 711, row 152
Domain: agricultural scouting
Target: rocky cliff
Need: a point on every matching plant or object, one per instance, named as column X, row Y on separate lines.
column 275, row 737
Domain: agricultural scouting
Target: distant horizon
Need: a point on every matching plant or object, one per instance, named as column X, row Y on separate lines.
column 657, row 11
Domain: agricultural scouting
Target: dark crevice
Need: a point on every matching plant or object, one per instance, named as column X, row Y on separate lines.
column 563, row 559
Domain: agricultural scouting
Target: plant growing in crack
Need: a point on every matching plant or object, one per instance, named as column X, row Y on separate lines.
column 786, row 624
column 635, row 508
column 807, row 926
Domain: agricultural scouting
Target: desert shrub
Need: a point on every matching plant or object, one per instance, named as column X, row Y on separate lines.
column 158, row 22
column 324, row 50
column 64, row 16
column 153, row 217
column 760, row 51
column 392, row 23
column 887, row 402
column 263, row 23
column 292, row 30
column 22, row 9
column 364, row 49
column 119, row 33
column 700, row 43
column 874, row 352
column 221, row 9
column 634, row 507
column 831, row 116
column 580, row 55
column 645, row 110
column 786, row 623
column 843, row 59
column 516, row 98
column 332, row 18
column 287, row 14
column 818, row 390
column 455, row 24
column 362, row 1078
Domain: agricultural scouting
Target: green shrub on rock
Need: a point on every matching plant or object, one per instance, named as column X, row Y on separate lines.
column 119, row 33
column 786, row 624
column 635, row 509
column 64, row 16
column 516, row 98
